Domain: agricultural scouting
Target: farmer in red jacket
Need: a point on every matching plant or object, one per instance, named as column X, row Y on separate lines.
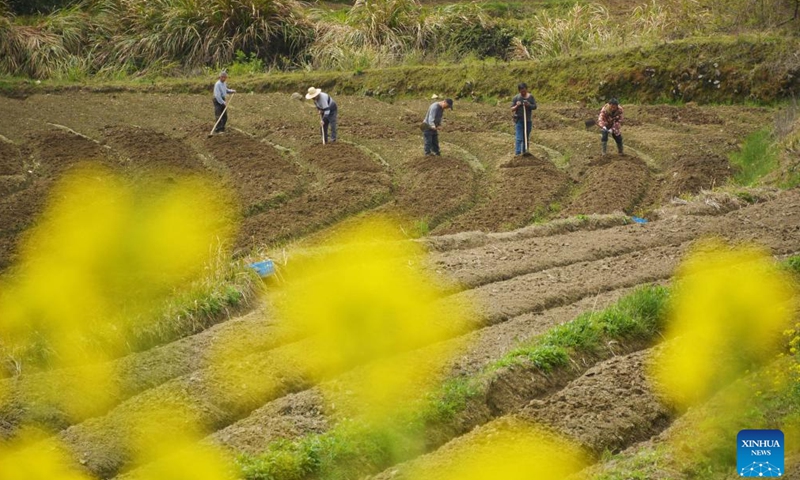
column 610, row 121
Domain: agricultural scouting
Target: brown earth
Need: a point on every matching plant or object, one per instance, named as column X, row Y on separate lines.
column 255, row 170
column 283, row 128
column 10, row 159
column 373, row 131
column 147, row 149
column 688, row 174
column 51, row 154
column 611, row 406
column 347, row 181
column 54, row 152
column 435, row 187
column 522, row 188
column 609, row 184
column 684, row 114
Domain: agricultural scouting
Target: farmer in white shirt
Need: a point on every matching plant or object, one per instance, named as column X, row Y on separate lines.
column 328, row 112
column 221, row 92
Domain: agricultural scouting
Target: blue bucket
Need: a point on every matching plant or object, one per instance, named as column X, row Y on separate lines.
column 639, row 220
column 263, row 269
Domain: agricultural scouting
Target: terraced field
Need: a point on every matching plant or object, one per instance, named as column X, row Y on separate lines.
column 528, row 270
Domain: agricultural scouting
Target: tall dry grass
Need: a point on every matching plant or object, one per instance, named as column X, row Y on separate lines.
column 199, row 32
column 141, row 36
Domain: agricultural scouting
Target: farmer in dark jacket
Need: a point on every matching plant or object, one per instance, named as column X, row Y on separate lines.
column 522, row 105
column 610, row 121
column 328, row 112
column 431, row 125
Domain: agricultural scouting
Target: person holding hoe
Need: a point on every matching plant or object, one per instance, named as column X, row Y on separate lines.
column 431, row 125
column 610, row 121
column 522, row 106
column 221, row 100
column 328, row 112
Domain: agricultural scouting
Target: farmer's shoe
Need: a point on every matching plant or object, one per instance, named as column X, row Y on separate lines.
column 605, row 147
column 620, row 150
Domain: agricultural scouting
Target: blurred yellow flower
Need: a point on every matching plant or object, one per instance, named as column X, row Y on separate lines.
column 367, row 297
column 510, row 450
column 29, row 457
column 729, row 309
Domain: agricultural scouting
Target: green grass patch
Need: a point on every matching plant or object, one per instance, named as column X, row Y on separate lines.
column 757, row 158
column 452, row 398
column 637, row 316
column 347, row 451
column 353, row 449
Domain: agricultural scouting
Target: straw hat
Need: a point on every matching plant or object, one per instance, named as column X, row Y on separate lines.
column 313, row 92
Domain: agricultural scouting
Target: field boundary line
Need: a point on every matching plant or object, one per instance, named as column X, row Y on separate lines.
column 85, row 137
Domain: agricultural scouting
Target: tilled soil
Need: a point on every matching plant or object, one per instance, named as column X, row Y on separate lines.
column 10, row 159
column 346, row 181
column 373, row 131
column 53, row 152
column 610, row 407
column 522, row 188
column 610, row 184
column 688, row 174
column 255, row 170
column 435, row 187
column 150, row 150
column 49, row 154
column 684, row 114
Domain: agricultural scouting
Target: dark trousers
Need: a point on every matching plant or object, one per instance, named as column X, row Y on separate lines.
column 617, row 138
column 519, row 141
column 218, row 109
column 331, row 121
column 431, row 142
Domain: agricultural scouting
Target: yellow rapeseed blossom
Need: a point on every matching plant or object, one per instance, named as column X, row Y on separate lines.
column 29, row 457
column 729, row 308
column 367, row 297
column 512, row 450
column 104, row 253
column 178, row 456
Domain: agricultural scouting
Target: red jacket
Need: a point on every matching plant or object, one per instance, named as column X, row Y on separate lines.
column 610, row 120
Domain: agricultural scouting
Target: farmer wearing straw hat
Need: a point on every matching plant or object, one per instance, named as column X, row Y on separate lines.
column 610, row 121
column 328, row 112
column 522, row 105
column 221, row 92
column 431, row 125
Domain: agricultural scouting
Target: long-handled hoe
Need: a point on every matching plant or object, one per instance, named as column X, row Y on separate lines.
column 526, row 153
column 221, row 115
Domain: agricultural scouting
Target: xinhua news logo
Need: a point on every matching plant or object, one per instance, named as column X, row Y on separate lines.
column 759, row 453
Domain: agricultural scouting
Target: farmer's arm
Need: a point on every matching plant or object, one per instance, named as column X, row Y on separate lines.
column 601, row 119
column 531, row 102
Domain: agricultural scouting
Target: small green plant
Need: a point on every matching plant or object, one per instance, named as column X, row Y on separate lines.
column 757, row 158
column 421, row 228
column 245, row 64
